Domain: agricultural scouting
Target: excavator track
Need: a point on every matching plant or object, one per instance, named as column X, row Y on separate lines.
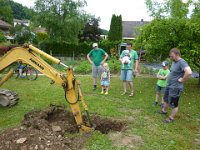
column 8, row 98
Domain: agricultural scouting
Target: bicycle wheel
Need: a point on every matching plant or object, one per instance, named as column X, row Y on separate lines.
column 31, row 73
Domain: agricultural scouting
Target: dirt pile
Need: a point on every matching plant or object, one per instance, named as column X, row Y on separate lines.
column 52, row 128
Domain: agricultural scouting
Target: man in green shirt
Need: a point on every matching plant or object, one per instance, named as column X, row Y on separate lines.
column 162, row 82
column 96, row 57
column 127, row 67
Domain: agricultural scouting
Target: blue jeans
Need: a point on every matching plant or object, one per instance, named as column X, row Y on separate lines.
column 126, row 75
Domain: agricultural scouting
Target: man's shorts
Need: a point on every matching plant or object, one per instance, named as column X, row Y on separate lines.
column 172, row 95
column 126, row 75
column 97, row 71
column 160, row 89
column 105, row 83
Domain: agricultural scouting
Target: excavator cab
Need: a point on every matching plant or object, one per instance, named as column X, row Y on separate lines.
column 31, row 56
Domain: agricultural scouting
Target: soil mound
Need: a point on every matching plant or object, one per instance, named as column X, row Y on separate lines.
column 52, row 128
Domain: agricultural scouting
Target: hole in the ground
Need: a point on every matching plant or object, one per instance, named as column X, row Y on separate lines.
column 59, row 116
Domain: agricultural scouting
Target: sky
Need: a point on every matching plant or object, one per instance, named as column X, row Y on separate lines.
column 131, row 10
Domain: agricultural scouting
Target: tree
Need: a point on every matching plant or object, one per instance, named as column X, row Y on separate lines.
column 104, row 31
column 172, row 30
column 6, row 11
column 115, row 32
column 19, row 11
column 25, row 36
column 91, row 31
column 64, row 19
column 172, row 8
column 2, row 37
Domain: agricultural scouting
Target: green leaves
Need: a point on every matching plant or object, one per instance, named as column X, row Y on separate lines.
column 174, row 30
column 63, row 19
column 6, row 11
column 115, row 33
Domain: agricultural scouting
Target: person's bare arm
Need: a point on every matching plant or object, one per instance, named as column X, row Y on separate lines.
column 165, row 77
column 162, row 77
column 106, row 56
column 88, row 57
column 187, row 74
column 120, row 59
column 136, row 66
column 158, row 75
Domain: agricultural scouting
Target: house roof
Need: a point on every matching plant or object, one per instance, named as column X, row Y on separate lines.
column 4, row 25
column 21, row 21
column 130, row 28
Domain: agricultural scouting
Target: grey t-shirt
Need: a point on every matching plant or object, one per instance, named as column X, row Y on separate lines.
column 177, row 71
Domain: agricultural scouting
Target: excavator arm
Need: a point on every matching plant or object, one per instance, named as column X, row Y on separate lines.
column 30, row 55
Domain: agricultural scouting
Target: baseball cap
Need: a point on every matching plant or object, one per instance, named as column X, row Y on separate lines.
column 164, row 63
column 94, row 45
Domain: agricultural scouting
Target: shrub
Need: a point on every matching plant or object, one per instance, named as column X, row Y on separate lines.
column 25, row 36
column 2, row 37
column 70, row 49
column 42, row 36
column 114, row 65
column 84, row 67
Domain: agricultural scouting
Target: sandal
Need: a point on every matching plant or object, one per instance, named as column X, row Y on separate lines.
column 131, row 95
column 168, row 120
column 161, row 112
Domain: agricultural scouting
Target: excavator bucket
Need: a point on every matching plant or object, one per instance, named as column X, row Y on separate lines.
column 85, row 125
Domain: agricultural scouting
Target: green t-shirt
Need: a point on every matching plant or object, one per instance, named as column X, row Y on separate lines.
column 133, row 56
column 97, row 56
column 163, row 72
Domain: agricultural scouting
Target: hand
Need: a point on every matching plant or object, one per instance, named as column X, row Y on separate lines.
column 180, row 80
column 126, row 62
column 135, row 71
column 101, row 63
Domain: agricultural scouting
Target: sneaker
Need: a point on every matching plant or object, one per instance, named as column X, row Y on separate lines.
column 102, row 92
column 131, row 94
column 123, row 93
column 95, row 87
column 161, row 105
column 168, row 120
column 161, row 112
column 155, row 103
column 106, row 93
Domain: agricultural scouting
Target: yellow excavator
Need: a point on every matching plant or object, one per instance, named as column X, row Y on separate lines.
column 31, row 55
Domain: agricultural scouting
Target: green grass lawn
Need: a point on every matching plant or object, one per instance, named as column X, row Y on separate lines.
column 138, row 111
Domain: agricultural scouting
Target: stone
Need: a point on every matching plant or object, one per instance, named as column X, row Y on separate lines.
column 21, row 140
column 56, row 128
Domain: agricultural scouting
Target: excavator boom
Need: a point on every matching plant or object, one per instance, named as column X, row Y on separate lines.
column 31, row 55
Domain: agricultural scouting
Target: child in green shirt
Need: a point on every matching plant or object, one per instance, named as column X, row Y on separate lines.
column 162, row 82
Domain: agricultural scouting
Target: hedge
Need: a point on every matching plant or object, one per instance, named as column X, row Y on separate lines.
column 68, row 49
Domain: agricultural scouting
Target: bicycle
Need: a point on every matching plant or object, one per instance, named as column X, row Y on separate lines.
column 28, row 72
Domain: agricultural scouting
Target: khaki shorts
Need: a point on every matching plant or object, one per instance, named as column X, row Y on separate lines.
column 97, row 71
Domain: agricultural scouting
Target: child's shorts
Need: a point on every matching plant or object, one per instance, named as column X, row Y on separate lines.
column 160, row 89
column 105, row 83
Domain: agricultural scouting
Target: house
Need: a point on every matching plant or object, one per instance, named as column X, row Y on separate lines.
column 4, row 27
column 21, row 22
column 40, row 30
column 129, row 29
